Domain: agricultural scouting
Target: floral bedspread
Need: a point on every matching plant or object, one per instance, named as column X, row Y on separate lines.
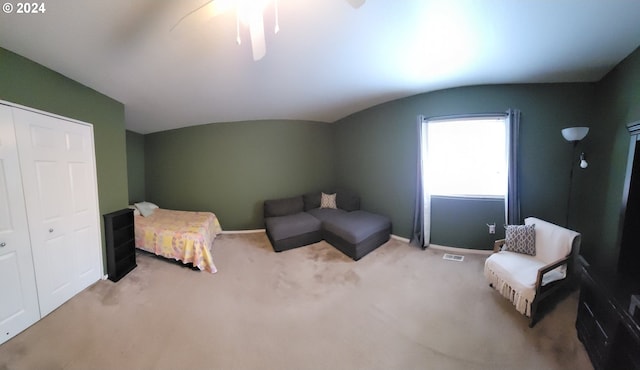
column 181, row 235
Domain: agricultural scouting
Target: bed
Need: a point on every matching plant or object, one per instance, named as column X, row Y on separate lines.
column 180, row 235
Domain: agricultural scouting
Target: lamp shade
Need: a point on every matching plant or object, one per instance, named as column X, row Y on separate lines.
column 575, row 133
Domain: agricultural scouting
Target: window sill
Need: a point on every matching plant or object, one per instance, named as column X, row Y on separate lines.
column 470, row 197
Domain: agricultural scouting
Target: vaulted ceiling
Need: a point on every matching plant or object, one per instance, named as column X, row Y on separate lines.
column 329, row 59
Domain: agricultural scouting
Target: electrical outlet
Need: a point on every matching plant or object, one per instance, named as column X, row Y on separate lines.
column 492, row 228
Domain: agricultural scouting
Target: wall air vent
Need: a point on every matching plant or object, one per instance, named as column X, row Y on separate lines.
column 453, row 257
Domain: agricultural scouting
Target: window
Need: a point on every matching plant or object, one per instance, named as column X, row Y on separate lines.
column 466, row 157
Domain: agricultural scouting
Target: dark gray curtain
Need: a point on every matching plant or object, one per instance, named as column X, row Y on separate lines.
column 421, row 233
column 420, row 237
column 512, row 200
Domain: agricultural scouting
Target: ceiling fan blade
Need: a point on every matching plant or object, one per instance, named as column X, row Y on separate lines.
column 203, row 13
column 356, row 3
column 258, row 44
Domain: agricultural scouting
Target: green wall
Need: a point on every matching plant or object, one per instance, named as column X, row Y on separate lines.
column 28, row 83
column 231, row 168
column 600, row 191
column 377, row 153
column 462, row 222
column 135, row 167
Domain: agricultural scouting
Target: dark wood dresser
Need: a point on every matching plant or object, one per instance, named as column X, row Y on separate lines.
column 120, row 243
column 606, row 325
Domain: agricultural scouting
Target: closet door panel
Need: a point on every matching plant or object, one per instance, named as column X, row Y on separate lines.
column 53, row 271
column 58, row 280
column 56, row 158
column 42, row 157
column 49, row 190
column 85, row 231
column 10, row 285
column 6, row 220
column 19, row 300
column 83, row 206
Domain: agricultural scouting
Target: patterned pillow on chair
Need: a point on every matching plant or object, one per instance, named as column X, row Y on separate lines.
column 521, row 239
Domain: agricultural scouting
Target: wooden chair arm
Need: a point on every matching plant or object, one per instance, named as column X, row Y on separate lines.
column 498, row 245
column 544, row 269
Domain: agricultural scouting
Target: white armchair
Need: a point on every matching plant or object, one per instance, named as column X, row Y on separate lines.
column 526, row 280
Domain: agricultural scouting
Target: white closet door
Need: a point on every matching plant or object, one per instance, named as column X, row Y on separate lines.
column 58, row 171
column 18, row 295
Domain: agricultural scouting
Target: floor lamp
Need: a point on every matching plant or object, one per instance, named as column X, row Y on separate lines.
column 574, row 135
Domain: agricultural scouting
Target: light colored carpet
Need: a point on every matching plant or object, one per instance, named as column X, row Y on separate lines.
column 308, row 308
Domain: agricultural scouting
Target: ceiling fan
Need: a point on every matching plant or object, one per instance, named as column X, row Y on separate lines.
column 248, row 12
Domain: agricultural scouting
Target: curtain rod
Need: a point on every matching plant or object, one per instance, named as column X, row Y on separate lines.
column 460, row 116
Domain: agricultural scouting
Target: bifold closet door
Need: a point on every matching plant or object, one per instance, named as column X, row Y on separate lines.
column 59, row 181
column 18, row 295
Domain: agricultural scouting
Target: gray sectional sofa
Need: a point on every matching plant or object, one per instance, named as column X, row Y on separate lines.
column 298, row 221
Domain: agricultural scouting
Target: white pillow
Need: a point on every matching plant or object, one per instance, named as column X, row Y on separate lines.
column 146, row 208
column 328, row 201
column 146, row 204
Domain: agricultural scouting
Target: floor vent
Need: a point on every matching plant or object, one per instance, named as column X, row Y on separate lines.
column 453, row 257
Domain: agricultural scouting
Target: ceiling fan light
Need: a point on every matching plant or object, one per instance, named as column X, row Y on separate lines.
column 249, row 10
column 276, row 29
column 356, row 3
column 258, row 43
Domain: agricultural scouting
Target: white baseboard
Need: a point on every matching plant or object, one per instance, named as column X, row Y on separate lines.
column 460, row 250
column 396, row 237
column 447, row 249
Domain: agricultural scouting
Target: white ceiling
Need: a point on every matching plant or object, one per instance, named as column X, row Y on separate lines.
column 329, row 60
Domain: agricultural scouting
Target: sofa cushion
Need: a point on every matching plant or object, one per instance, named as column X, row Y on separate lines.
column 347, row 200
column 356, row 226
column 283, row 206
column 324, row 214
column 311, row 200
column 283, row 227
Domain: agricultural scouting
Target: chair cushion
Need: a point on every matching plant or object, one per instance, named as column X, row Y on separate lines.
column 292, row 225
column 521, row 239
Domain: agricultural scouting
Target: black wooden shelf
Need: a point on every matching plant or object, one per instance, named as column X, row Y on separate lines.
column 120, row 240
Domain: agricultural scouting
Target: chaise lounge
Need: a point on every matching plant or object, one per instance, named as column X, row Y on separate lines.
column 337, row 218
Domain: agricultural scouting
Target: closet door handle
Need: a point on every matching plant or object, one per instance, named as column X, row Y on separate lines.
column 50, row 230
column 3, row 244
